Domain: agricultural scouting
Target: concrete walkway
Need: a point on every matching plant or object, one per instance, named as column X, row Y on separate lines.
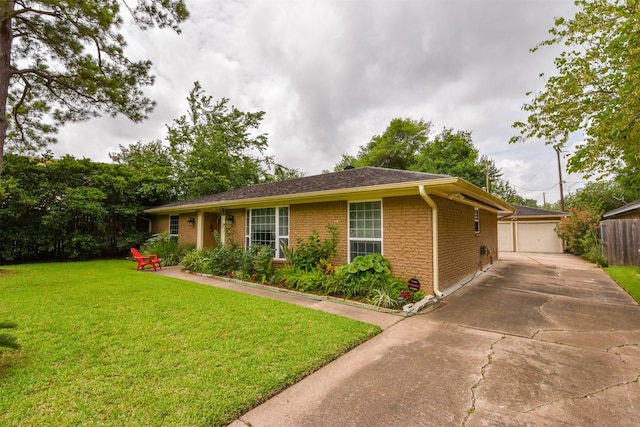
column 538, row 340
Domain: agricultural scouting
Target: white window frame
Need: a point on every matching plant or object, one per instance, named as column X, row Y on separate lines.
column 177, row 226
column 278, row 236
column 364, row 239
column 476, row 220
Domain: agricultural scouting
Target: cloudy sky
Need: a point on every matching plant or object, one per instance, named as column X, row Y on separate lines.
column 331, row 74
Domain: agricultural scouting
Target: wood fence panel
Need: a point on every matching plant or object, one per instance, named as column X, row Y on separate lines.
column 621, row 241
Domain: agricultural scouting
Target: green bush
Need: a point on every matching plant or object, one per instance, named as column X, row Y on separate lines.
column 232, row 261
column 297, row 279
column 167, row 249
column 310, row 251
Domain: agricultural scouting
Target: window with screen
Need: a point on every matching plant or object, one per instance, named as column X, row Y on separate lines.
column 365, row 228
column 174, row 226
column 268, row 227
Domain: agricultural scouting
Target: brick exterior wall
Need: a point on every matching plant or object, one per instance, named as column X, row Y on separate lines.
column 459, row 245
column 160, row 224
column 187, row 233
column 235, row 233
column 305, row 218
column 407, row 238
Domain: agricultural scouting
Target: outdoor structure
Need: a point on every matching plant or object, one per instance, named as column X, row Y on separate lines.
column 620, row 232
column 439, row 229
column 530, row 230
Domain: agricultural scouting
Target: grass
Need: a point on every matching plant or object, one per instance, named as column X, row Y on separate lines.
column 627, row 278
column 103, row 344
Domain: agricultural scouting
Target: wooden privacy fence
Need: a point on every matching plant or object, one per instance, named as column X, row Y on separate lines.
column 621, row 241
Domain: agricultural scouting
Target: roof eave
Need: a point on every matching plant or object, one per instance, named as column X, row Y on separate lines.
column 445, row 187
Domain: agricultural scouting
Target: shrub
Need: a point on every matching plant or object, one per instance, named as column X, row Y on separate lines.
column 580, row 230
column 297, row 279
column 365, row 274
column 167, row 249
column 310, row 251
column 232, row 261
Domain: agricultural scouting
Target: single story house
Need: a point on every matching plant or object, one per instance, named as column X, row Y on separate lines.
column 530, row 230
column 620, row 232
column 437, row 228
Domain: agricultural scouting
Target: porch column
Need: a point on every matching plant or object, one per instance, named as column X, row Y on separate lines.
column 200, row 230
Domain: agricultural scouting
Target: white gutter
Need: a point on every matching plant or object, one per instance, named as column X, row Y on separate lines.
column 434, row 233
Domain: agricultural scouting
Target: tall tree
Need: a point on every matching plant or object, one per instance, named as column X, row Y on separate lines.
column 601, row 196
column 595, row 90
column 396, row 148
column 452, row 153
column 64, row 61
column 215, row 147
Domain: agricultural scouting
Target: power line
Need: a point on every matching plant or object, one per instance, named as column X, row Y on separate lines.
column 529, row 189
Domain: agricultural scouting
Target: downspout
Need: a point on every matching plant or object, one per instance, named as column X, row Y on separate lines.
column 434, row 233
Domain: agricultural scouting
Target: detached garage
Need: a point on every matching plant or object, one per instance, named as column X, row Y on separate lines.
column 530, row 230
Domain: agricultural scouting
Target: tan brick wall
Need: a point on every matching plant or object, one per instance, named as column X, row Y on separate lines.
column 407, row 238
column 305, row 218
column 187, row 233
column 160, row 224
column 236, row 232
column 459, row 245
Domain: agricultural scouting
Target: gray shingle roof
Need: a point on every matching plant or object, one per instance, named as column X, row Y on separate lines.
column 529, row 211
column 623, row 209
column 350, row 178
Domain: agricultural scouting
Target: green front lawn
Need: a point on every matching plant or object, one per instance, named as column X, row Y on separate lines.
column 103, row 344
column 627, row 278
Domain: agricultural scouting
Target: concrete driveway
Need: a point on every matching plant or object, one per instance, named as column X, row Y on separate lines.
column 538, row 340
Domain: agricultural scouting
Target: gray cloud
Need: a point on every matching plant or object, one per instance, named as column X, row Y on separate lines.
column 331, row 74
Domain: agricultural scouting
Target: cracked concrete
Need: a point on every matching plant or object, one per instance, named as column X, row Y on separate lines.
column 539, row 340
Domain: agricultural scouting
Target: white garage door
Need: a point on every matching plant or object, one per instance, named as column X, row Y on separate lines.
column 505, row 237
column 538, row 237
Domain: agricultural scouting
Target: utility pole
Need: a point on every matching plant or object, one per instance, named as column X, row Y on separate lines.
column 560, row 177
column 486, row 176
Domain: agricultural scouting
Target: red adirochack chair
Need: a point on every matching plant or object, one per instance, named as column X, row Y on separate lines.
column 143, row 260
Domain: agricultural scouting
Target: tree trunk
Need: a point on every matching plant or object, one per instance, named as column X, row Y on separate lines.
column 6, row 15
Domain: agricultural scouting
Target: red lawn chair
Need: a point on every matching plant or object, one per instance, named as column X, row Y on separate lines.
column 143, row 260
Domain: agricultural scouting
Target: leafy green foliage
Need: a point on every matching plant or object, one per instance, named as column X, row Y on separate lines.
column 396, row 148
column 230, row 260
column 453, row 153
column 581, row 233
column 64, row 61
column 406, row 144
column 595, row 90
column 211, row 146
column 167, row 248
column 70, row 208
column 601, row 196
column 359, row 278
column 310, row 252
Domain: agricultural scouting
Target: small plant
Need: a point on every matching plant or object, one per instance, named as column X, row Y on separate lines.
column 166, row 247
column 381, row 298
column 310, row 251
